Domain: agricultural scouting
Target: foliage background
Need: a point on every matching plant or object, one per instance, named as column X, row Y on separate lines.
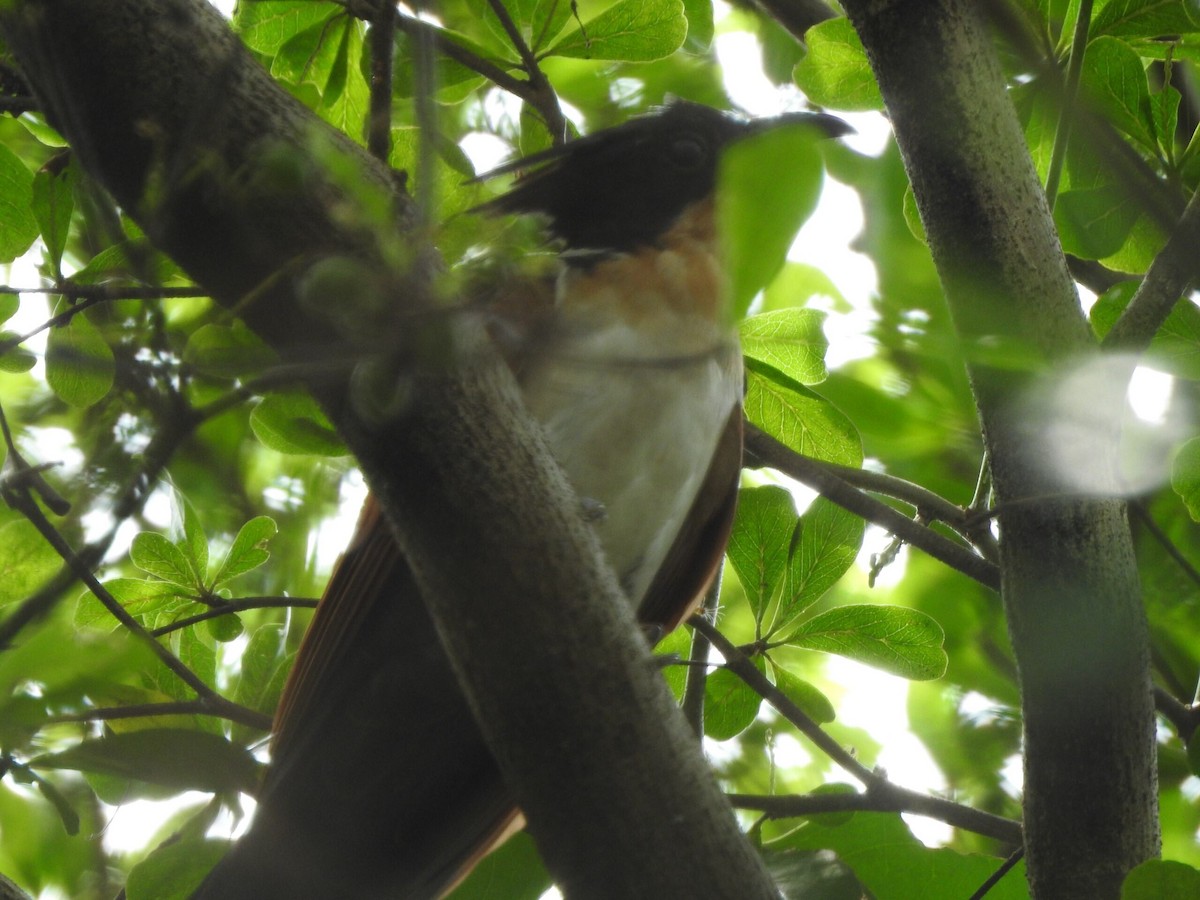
column 185, row 463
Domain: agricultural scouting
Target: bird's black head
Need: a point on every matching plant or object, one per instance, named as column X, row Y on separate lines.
column 622, row 188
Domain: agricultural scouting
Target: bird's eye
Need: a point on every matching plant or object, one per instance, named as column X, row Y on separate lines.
column 687, row 152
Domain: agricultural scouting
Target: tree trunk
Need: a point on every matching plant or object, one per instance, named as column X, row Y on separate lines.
column 1069, row 580
column 247, row 190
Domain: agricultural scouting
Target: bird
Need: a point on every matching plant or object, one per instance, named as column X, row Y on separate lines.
column 380, row 783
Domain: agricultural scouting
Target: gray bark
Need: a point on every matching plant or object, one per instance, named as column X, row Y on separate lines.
column 231, row 177
column 1069, row 579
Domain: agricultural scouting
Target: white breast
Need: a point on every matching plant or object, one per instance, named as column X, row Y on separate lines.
column 634, row 417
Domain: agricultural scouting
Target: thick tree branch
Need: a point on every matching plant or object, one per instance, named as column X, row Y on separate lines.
column 1165, row 282
column 221, row 168
column 1069, row 576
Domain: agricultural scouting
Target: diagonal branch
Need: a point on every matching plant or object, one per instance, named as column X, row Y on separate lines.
column 834, row 487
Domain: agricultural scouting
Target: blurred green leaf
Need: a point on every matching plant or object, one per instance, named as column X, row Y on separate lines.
column 174, row 870
column 53, row 203
column 173, row 757
column 26, row 561
column 248, row 550
column 730, row 705
column 766, row 187
column 514, row 872
column 292, row 423
column 835, row 72
column 1185, row 476
column 805, row 695
column 18, row 225
column 1114, row 79
column 1161, row 879
column 890, row 862
column 80, row 367
column 634, row 30
column 266, row 25
column 1145, row 18
column 140, row 598
column 227, row 351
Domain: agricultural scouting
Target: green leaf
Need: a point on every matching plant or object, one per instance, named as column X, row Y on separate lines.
column 53, row 203
column 1164, row 108
column 1161, row 879
column 227, row 351
column 292, row 423
column 1176, row 347
column 1114, row 79
column 890, row 862
column 730, row 705
column 514, row 872
column 912, row 215
column 1185, row 476
column 157, row 556
column 796, row 284
column 9, row 304
column 266, row 25
column 79, row 363
column 26, row 561
column 805, row 695
column 141, row 598
column 632, row 30
column 766, row 187
column 828, row 542
column 18, row 225
column 790, row 340
column 902, row 641
column 173, row 871
column 549, row 18
column 248, row 550
column 195, row 542
column 346, row 95
column 700, row 24
column 18, row 359
column 802, row 420
column 1143, row 18
column 258, row 686
column 835, row 72
column 1094, row 222
column 758, row 545
column 175, row 757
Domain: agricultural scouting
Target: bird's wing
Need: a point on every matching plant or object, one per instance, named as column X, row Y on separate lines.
column 696, row 553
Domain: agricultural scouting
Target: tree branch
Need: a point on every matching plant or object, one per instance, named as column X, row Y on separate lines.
column 881, row 795
column 1164, row 284
column 492, row 532
column 833, row 487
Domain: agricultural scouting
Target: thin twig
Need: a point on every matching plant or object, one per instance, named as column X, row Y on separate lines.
column 417, row 29
column 881, row 795
column 697, row 662
column 236, row 606
column 1066, row 108
column 241, row 714
column 994, row 879
column 833, row 487
column 543, row 99
column 381, row 40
